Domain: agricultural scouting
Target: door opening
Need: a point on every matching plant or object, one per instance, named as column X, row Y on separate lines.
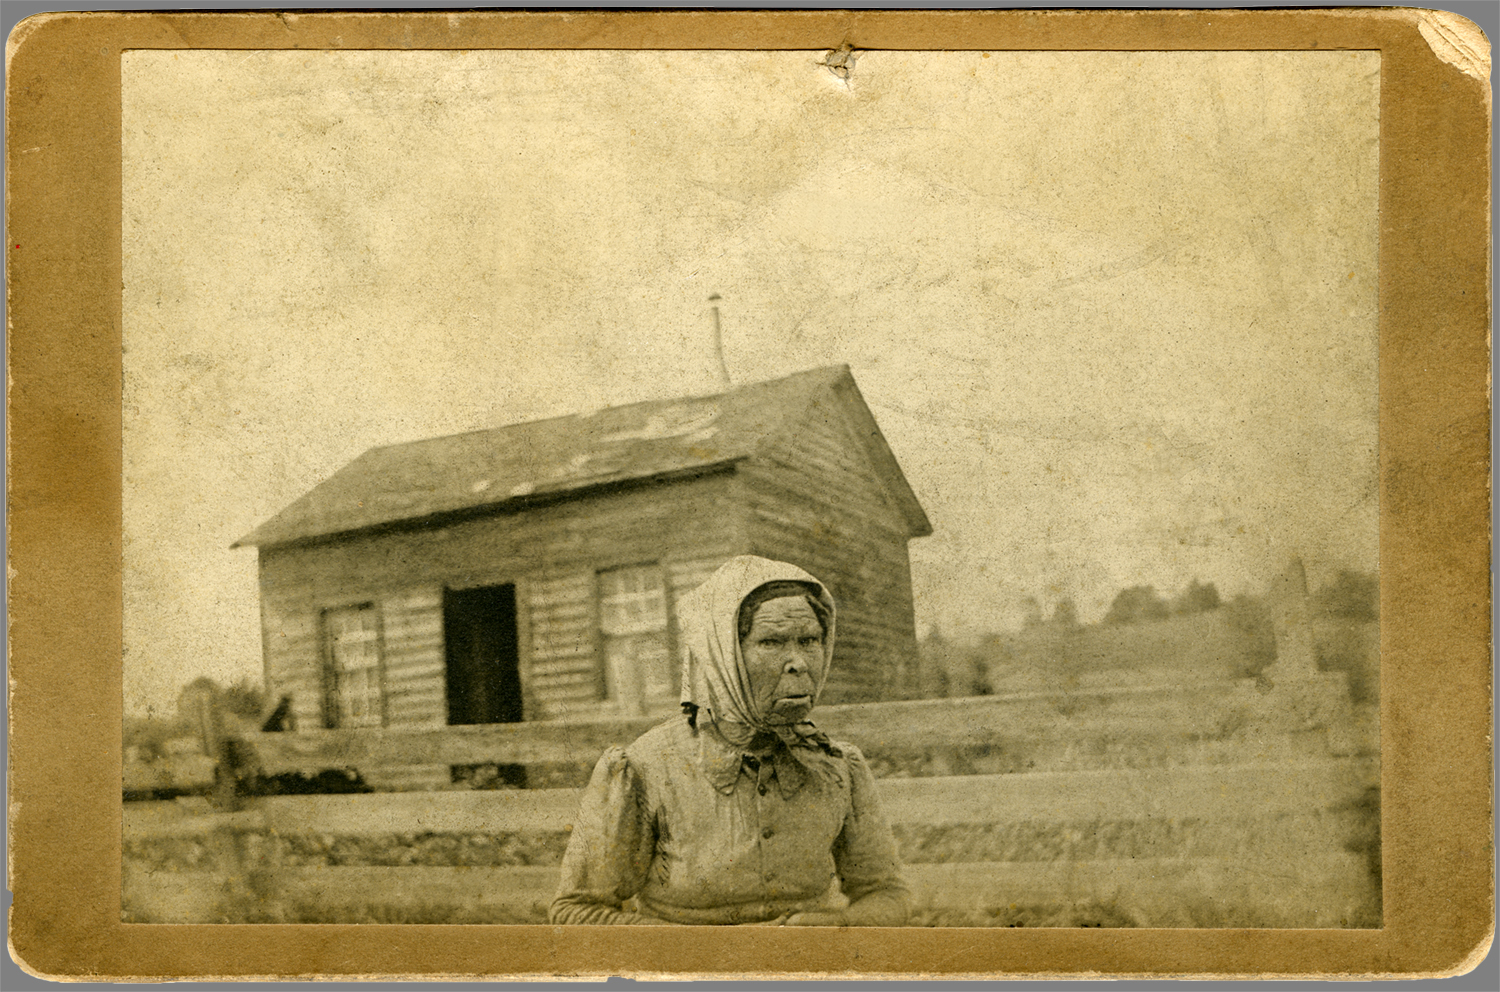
column 484, row 680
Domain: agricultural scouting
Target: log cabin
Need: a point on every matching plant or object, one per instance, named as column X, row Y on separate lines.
column 530, row 572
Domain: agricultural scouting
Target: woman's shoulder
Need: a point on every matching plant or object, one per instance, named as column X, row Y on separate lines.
column 612, row 762
column 849, row 753
column 666, row 739
column 641, row 754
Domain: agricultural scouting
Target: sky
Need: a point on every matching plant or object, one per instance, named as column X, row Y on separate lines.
column 1115, row 312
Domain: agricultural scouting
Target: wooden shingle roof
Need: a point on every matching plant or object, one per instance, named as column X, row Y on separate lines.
column 507, row 468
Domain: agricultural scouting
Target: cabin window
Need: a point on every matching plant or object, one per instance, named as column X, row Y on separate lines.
column 633, row 621
column 356, row 683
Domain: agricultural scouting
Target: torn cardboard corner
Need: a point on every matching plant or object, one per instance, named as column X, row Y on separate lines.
column 1456, row 40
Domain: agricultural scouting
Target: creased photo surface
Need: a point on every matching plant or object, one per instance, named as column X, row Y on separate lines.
column 827, row 488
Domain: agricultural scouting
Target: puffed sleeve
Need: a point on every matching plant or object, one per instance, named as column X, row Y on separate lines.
column 610, row 850
column 865, row 853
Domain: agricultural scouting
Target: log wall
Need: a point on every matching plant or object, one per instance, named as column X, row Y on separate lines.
column 551, row 553
column 816, row 501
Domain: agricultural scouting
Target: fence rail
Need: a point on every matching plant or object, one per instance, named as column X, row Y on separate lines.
column 984, row 721
column 1265, row 827
column 1269, row 861
column 1188, row 793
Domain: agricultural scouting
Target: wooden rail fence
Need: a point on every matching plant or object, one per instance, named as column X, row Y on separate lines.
column 1231, row 844
column 1021, row 723
column 1219, row 804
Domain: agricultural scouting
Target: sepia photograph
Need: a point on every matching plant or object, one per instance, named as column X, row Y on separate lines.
column 823, row 487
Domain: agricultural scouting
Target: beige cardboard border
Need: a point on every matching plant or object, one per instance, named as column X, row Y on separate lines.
column 63, row 256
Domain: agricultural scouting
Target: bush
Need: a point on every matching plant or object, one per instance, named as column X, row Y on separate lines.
column 1197, row 598
column 1250, row 616
column 1350, row 646
column 151, row 734
column 1136, row 604
column 1066, row 614
column 1353, row 596
column 245, row 699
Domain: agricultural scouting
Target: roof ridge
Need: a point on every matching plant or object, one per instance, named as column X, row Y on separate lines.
column 381, row 483
column 558, row 418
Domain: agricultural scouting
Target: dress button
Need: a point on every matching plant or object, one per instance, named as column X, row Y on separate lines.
column 767, row 832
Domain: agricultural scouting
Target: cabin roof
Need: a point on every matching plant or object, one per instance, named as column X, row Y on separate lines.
column 510, row 467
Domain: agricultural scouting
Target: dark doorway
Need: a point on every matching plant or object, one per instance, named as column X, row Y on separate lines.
column 479, row 626
column 484, row 682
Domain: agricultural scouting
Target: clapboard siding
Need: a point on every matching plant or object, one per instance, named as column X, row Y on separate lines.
column 554, row 642
column 404, row 707
column 291, row 640
column 411, row 629
column 555, row 543
column 414, row 675
column 551, row 553
column 817, row 487
column 815, row 500
column 307, row 699
column 562, row 671
column 688, row 574
column 402, row 627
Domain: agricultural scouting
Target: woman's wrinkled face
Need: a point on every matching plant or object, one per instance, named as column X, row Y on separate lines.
column 784, row 658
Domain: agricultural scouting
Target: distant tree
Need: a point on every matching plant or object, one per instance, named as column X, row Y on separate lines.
column 190, row 695
column 1351, row 648
column 1065, row 614
column 991, row 651
column 1196, row 598
column 935, row 656
column 1250, row 618
column 979, row 677
column 150, row 734
column 1136, row 604
column 244, row 698
column 1352, row 595
column 1031, row 612
column 198, row 707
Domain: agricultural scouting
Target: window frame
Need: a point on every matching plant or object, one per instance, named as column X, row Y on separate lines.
column 335, row 703
column 630, row 692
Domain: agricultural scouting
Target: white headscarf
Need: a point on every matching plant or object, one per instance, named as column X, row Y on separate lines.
column 714, row 678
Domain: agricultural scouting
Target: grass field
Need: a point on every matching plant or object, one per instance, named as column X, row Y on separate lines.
column 1219, row 645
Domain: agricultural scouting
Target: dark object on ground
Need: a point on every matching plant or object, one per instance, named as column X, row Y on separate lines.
column 281, row 719
column 329, row 781
column 162, row 794
column 489, row 776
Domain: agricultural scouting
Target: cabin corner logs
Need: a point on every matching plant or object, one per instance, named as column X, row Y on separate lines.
column 531, row 572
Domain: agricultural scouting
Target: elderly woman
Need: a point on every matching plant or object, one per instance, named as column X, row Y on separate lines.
column 739, row 811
